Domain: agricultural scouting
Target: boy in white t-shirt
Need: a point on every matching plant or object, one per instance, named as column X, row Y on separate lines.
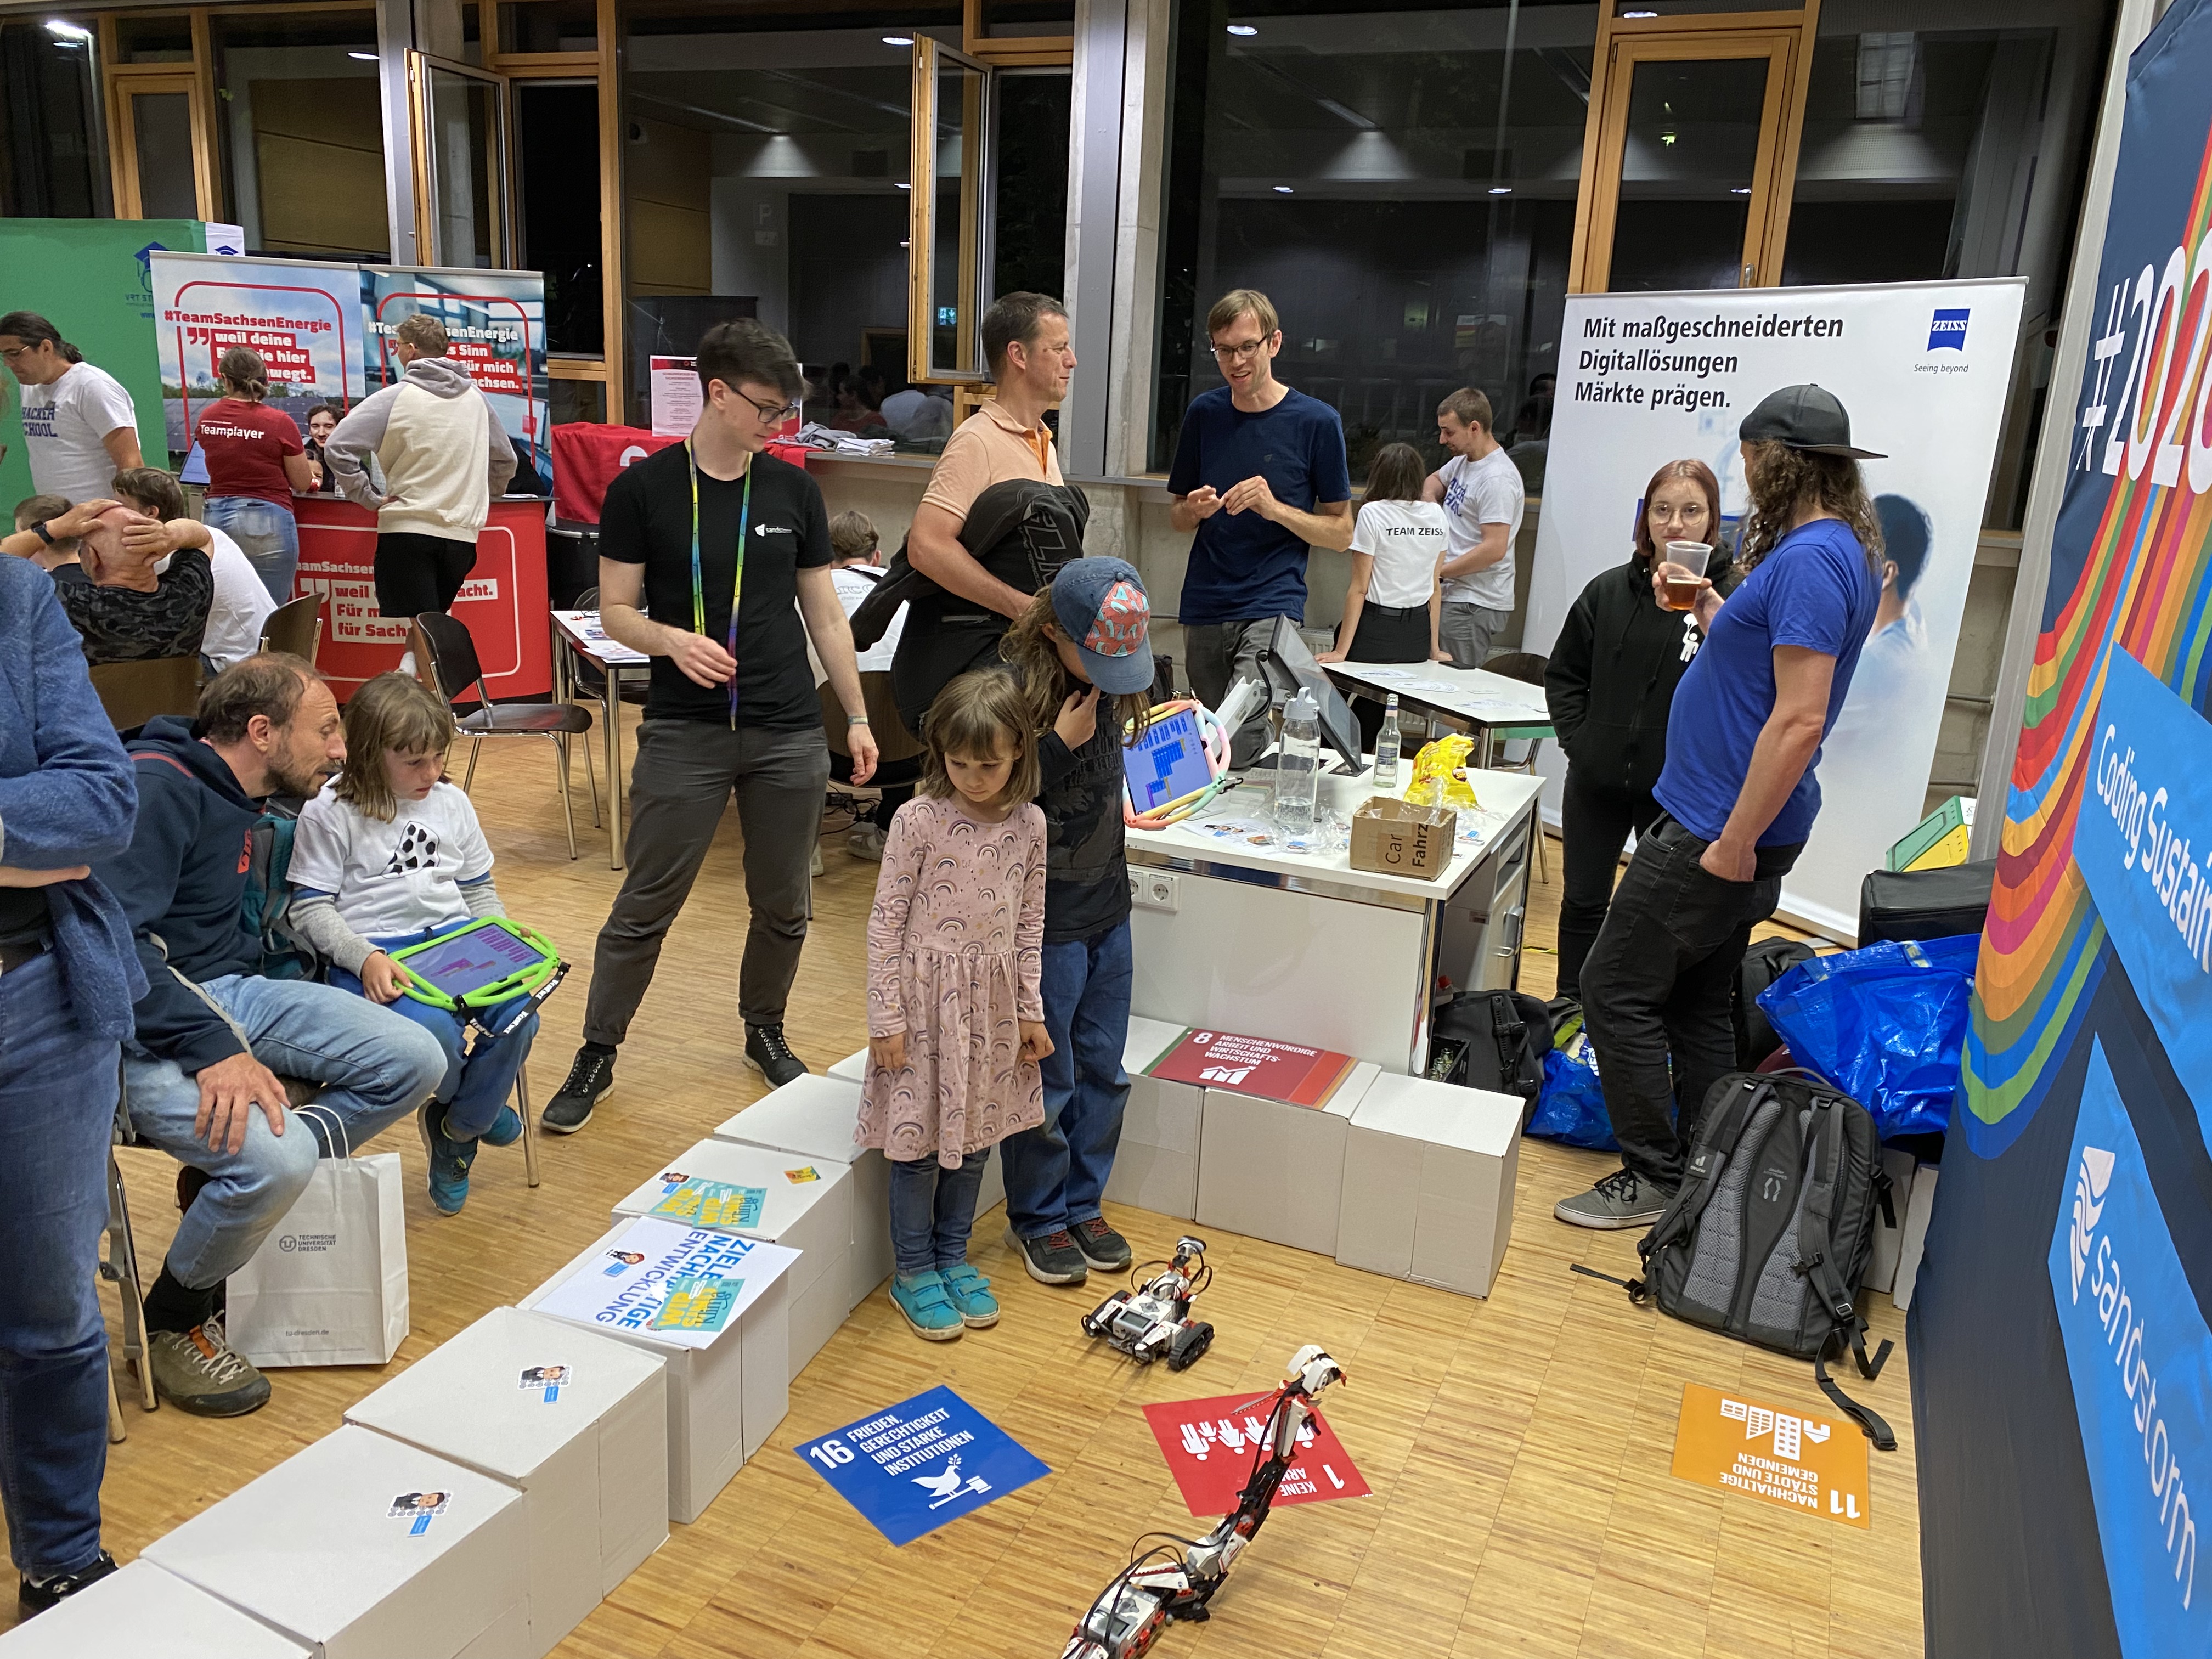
column 390, row 854
column 242, row 605
column 79, row 427
column 1483, row 498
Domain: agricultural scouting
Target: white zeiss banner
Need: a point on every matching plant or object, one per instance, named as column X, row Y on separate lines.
column 1645, row 378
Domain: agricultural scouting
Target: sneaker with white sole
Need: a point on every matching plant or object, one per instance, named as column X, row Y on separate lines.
column 199, row 1373
column 1106, row 1250
column 865, row 841
column 929, row 1312
column 767, row 1053
column 1051, row 1259
column 591, row 1080
column 1621, row 1199
column 33, row 1598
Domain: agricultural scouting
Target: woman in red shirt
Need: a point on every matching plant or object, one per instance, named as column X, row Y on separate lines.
column 256, row 463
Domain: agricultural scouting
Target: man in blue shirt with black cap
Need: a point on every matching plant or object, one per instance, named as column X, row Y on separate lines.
column 1738, row 794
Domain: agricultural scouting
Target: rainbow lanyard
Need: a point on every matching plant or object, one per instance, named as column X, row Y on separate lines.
column 738, row 576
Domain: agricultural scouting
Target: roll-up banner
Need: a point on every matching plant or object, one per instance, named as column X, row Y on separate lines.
column 496, row 322
column 1924, row 368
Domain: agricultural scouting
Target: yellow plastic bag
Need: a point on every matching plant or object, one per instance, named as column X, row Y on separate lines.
column 1440, row 774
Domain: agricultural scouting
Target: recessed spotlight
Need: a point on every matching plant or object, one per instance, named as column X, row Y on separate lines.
column 1739, row 190
column 1283, row 190
column 70, row 32
column 365, row 57
column 906, row 186
column 1640, row 14
column 898, row 39
column 1243, row 31
column 1501, row 189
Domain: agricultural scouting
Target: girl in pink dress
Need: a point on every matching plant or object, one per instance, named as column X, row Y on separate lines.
column 956, row 1019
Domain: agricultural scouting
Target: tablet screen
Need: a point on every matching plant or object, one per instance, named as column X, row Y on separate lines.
column 1167, row 762
column 470, row 961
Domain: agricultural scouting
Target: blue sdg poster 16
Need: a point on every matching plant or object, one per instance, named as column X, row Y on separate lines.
column 911, row 1468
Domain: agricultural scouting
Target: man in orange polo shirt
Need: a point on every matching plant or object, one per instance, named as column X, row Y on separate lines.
column 1026, row 345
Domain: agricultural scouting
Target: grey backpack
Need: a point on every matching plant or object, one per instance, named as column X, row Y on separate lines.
column 1770, row 1235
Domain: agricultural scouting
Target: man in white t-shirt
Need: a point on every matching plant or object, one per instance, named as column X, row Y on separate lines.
column 856, row 568
column 1484, row 501
column 241, row 604
column 79, row 427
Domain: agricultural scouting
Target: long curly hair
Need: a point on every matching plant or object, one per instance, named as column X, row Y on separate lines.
column 1785, row 482
column 1046, row 683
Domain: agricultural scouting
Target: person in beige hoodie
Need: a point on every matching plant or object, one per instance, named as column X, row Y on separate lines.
column 444, row 457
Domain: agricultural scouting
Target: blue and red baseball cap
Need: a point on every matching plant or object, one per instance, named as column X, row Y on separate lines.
column 1100, row 605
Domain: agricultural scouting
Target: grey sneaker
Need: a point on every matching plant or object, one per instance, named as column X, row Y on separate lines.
column 1102, row 1247
column 198, row 1373
column 1051, row 1260
column 1621, row 1199
column 865, row 841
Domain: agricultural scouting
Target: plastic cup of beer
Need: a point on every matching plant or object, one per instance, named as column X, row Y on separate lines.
column 1683, row 570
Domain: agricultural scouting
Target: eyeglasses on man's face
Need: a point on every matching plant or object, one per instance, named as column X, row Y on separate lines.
column 1244, row 353
column 770, row 413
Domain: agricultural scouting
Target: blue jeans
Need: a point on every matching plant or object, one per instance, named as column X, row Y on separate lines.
column 57, row 1114
column 266, row 533
column 375, row 1068
column 1056, row 1173
column 478, row 1082
column 932, row 1208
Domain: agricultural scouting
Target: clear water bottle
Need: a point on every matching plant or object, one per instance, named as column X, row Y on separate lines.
column 1386, row 745
column 1298, row 767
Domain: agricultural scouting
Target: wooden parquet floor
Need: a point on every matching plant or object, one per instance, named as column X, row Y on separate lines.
column 1518, row 1447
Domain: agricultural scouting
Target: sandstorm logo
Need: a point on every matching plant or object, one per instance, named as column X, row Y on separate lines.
column 2090, row 1181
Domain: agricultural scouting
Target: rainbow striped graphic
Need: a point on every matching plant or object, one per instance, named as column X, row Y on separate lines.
column 2129, row 563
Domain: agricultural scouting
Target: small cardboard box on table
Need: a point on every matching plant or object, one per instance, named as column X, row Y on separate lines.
column 142, row 1610
column 1429, row 1169
column 727, row 1387
column 813, row 1118
column 322, row 1548
column 854, row 1069
column 1156, row 1167
column 576, row 1421
column 807, row 1205
column 1270, row 1133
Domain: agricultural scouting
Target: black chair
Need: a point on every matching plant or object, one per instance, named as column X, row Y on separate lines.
column 453, row 662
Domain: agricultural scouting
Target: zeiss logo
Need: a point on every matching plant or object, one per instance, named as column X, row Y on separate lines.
column 1947, row 331
column 2090, row 1182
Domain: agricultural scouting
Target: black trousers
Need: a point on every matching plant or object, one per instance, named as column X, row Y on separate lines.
column 416, row 573
column 1656, row 986
column 1594, row 819
column 1386, row 633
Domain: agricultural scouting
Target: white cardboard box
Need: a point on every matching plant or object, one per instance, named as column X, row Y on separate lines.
column 853, row 1068
column 312, row 1548
column 1272, row 1170
column 1156, row 1167
column 142, row 1610
column 1429, row 1169
column 814, row 1117
column 814, row 1218
column 724, row 1400
column 591, row 1463
column 1918, row 1209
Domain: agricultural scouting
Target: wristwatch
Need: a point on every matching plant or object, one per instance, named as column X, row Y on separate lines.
column 43, row 533
column 856, row 719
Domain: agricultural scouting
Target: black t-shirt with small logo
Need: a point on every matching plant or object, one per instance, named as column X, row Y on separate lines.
column 647, row 521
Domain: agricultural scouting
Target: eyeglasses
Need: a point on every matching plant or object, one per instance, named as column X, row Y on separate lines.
column 773, row 414
column 13, row 352
column 1240, row 353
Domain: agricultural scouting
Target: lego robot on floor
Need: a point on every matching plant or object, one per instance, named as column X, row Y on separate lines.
column 1152, row 1319
column 1176, row 1577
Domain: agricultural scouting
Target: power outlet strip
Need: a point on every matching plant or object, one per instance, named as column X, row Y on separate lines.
column 1154, row 889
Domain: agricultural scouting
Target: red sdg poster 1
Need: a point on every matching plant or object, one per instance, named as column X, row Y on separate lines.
column 1210, row 1446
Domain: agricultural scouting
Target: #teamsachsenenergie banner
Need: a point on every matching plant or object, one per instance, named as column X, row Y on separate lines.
column 1922, row 367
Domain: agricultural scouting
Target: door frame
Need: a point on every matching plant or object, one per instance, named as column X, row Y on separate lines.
column 921, row 214
column 119, row 81
column 419, row 67
column 1784, row 38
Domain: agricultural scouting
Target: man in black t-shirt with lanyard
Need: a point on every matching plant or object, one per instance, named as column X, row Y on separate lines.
column 732, row 707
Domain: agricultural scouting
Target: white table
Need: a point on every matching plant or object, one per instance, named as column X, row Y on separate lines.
column 1467, row 699
column 577, row 634
column 1303, row 947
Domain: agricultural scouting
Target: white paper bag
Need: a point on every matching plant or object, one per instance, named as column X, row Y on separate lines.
column 329, row 1284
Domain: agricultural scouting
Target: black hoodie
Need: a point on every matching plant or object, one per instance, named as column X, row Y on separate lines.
column 1611, row 677
column 182, row 884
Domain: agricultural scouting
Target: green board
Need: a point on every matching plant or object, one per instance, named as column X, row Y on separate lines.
column 89, row 278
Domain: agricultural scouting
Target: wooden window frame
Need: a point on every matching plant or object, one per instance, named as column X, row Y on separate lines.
column 1784, row 38
column 921, row 217
column 420, row 65
column 121, row 81
column 1012, row 51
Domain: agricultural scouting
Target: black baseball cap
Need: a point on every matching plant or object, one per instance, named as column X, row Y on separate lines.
column 1804, row 418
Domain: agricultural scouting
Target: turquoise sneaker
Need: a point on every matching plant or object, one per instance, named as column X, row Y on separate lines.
column 506, row 1128
column 449, row 1160
column 970, row 1293
column 921, row 1298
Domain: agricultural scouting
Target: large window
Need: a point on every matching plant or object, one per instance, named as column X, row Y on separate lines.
column 50, row 164
column 300, row 130
column 1401, row 181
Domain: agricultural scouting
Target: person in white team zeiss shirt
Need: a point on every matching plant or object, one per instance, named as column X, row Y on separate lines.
column 856, row 566
column 242, row 605
column 445, row 458
column 1484, row 500
column 79, row 427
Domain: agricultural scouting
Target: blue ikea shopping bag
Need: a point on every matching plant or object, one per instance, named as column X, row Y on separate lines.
column 1884, row 1024
column 1571, row 1107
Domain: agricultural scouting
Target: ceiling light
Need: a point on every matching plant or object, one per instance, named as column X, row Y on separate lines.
column 906, row 186
column 1243, row 30
column 69, row 31
column 1283, row 190
column 1501, row 189
column 898, row 39
column 1739, row 190
column 365, row 57
column 1640, row 14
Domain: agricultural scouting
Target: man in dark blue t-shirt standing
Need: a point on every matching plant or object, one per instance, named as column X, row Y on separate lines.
column 1738, row 794
column 1260, row 475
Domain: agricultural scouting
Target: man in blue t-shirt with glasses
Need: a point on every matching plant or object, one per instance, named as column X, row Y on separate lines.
column 1738, row 795
column 1260, row 475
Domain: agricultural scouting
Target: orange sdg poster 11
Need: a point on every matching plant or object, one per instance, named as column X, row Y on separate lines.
column 1804, row 1463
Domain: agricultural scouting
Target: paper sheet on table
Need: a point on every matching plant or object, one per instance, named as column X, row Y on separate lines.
column 584, row 624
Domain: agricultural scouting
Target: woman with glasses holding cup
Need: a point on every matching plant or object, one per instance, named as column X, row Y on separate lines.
column 1610, row 682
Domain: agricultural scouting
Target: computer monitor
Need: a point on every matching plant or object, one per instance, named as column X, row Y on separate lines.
column 1288, row 666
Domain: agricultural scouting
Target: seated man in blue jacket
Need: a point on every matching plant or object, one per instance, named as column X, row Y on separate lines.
column 211, row 1033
